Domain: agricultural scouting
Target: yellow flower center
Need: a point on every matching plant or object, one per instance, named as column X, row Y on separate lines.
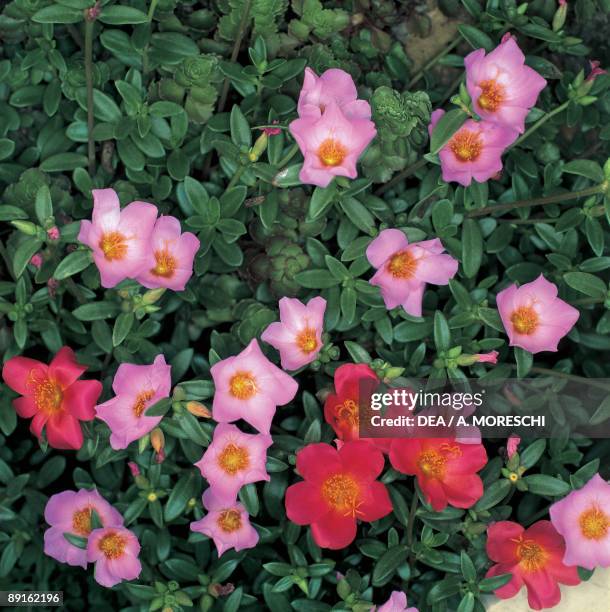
column 233, row 458
column 524, row 320
column 492, row 95
column 166, row 264
column 141, row 402
column 531, row 555
column 347, row 413
column 81, row 522
column 48, row 395
column 112, row 545
column 242, row 385
column 306, row 340
column 229, row 520
column 432, row 463
column 466, row 145
column 331, row 152
column 402, row 265
column 113, row 245
column 594, row 523
column 341, row 492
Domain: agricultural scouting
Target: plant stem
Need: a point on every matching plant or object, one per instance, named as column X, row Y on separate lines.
column 151, row 9
column 562, row 197
column 291, row 153
column 411, row 519
column 566, row 376
column 420, row 73
column 235, row 177
column 89, row 78
column 403, row 174
column 538, row 123
column 240, row 35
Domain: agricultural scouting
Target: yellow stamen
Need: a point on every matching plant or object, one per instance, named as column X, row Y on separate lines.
column 402, row 265
column 594, row 523
column 492, row 95
column 531, row 555
column 229, row 520
column 114, row 245
column 166, row 264
column 306, row 340
column 141, row 402
column 233, row 458
column 347, row 413
column 341, row 492
column 466, row 145
column 331, row 152
column 112, row 545
column 48, row 395
column 81, row 522
column 242, row 385
column 525, row 320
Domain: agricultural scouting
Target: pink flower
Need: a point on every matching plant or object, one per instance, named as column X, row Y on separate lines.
column 534, row 317
column 474, row 151
column 53, row 233
column 396, row 603
column 250, row 387
column 403, row 269
column 226, row 522
column 70, row 512
column 512, row 444
column 583, row 519
column 334, row 86
column 491, row 357
column 331, row 144
column 272, row 131
column 595, row 70
column 36, row 260
column 503, row 89
column 119, row 239
column 234, row 459
column 136, row 387
column 114, row 550
column 171, row 256
column 298, row 337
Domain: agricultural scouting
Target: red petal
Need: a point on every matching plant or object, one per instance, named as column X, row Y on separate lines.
column 316, row 461
column 542, row 590
column 511, row 588
column 25, row 407
column 434, row 492
column 362, row 459
column 81, row 397
column 38, row 423
column 404, row 454
column 334, row 531
column 16, row 373
column 463, row 491
column 350, row 376
column 304, row 503
column 473, row 458
column 64, row 368
column 376, row 505
column 500, row 544
column 64, row 432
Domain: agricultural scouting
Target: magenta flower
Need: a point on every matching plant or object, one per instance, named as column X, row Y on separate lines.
column 114, row 550
column 36, row 260
column 171, row 255
column 491, row 357
column 474, row 151
column 583, row 519
column 137, row 387
column 503, row 89
column 512, row 444
column 298, row 336
column 70, row 512
column 250, row 387
column 403, row 269
column 334, row 86
column 595, row 70
column 331, row 144
column 53, row 233
column 234, row 459
column 396, row 603
column 119, row 238
column 226, row 522
column 534, row 318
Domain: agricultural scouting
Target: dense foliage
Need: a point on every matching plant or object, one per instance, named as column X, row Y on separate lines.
column 186, row 104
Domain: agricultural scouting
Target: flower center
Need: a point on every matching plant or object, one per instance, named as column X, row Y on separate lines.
column 492, row 95
column 347, row 413
column 81, row 521
column 531, row 555
column 166, row 264
column 112, row 545
column 331, row 152
column 141, row 402
column 402, row 265
column 242, row 385
column 341, row 492
column 234, row 458
column 307, row 341
column 114, row 245
column 432, row 463
column 594, row 523
column 48, row 396
column 229, row 520
column 525, row 320
column 466, row 145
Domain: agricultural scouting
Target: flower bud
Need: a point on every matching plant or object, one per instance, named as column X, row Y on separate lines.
column 198, row 409
column 152, row 295
column 36, row 260
column 259, row 147
column 157, row 439
column 26, row 227
column 560, row 16
column 53, row 233
column 133, row 468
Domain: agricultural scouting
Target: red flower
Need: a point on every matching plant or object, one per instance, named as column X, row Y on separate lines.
column 445, row 469
column 534, row 557
column 53, row 396
column 339, row 487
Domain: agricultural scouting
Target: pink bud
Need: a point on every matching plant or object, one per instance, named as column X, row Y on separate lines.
column 508, row 36
column 36, row 260
column 160, row 456
column 595, row 70
column 511, row 445
column 491, row 357
column 53, row 233
column 272, row 131
column 52, row 285
column 133, row 468
column 563, row 2
column 91, row 14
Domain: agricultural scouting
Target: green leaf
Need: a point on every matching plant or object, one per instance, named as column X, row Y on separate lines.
column 75, row 540
column 472, row 248
column 72, row 264
column 586, row 283
column 181, row 492
column 241, row 135
column 388, row 563
column 122, row 15
column 541, row 484
column 316, row 279
column 494, row 582
column 529, row 457
column 122, row 327
column 58, row 14
column 96, row 310
column 602, row 413
column 358, row 214
column 7, row 147
column 321, row 200
column 63, row 162
column 525, row 360
column 446, row 127
column 475, row 37
column 442, row 335
column 357, row 353
column 585, row 167
column 25, row 251
column 159, row 408
column 493, row 495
